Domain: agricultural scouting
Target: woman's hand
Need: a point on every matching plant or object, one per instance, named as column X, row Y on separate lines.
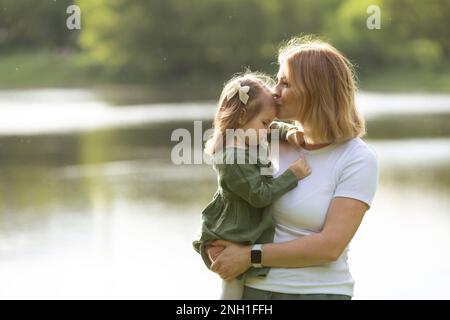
column 234, row 260
column 214, row 252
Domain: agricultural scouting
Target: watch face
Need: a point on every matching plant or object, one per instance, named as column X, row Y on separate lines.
column 255, row 256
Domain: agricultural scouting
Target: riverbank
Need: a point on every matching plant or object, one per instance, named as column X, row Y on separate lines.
column 73, row 69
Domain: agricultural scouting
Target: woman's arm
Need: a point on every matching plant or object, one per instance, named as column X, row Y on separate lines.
column 343, row 219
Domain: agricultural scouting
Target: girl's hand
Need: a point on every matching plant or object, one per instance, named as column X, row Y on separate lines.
column 234, row 260
column 214, row 252
column 300, row 168
column 295, row 137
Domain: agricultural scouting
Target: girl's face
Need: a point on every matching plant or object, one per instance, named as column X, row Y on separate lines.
column 263, row 119
column 284, row 96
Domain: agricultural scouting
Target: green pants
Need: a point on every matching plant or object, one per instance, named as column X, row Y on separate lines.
column 256, row 294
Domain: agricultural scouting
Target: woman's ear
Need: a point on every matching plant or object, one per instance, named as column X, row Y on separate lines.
column 242, row 117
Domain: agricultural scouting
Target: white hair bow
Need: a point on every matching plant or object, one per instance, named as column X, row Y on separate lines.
column 243, row 90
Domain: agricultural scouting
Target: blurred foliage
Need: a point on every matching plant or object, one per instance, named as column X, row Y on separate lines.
column 179, row 40
column 166, row 41
column 413, row 34
column 28, row 24
column 173, row 39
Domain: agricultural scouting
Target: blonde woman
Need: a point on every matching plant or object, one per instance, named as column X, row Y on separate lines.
column 315, row 221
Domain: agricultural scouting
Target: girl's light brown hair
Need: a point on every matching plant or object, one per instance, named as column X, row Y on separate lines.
column 229, row 111
column 324, row 83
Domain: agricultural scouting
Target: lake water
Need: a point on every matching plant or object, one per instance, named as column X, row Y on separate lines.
column 91, row 206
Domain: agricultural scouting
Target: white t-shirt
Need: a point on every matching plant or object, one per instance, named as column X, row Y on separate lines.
column 347, row 170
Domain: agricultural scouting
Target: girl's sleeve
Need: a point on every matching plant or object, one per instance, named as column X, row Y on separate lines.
column 283, row 128
column 245, row 181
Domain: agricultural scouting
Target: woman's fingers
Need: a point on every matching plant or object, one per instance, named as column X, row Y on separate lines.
column 216, row 267
column 233, row 261
column 223, row 243
column 216, row 248
column 214, row 252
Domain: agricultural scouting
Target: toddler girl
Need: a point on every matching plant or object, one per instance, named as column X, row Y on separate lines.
column 236, row 212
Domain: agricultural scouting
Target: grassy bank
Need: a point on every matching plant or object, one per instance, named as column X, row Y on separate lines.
column 47, row 69
column 73, row 69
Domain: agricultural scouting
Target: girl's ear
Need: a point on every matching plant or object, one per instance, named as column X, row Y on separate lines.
column 242, row 117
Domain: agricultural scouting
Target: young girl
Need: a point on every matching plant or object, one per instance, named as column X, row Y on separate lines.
column 236, row 212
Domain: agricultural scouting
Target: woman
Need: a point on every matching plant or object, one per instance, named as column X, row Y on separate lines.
column 316, row 221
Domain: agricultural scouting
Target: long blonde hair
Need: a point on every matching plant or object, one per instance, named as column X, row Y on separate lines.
column 324, row 83
column 229, row 111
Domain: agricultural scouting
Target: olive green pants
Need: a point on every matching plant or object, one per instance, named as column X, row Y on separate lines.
column 256, row 294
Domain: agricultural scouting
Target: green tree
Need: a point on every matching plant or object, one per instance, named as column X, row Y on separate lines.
column 32, row 24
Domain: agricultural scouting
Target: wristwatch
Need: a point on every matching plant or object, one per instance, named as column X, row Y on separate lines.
column 256, row 256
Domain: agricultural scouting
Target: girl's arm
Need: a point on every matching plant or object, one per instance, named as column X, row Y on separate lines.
column 283, row 128
column 343, row 219
column 246, row 182
column 288, row 132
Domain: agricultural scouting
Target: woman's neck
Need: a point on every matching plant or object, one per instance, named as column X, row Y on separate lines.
column 311, row 146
